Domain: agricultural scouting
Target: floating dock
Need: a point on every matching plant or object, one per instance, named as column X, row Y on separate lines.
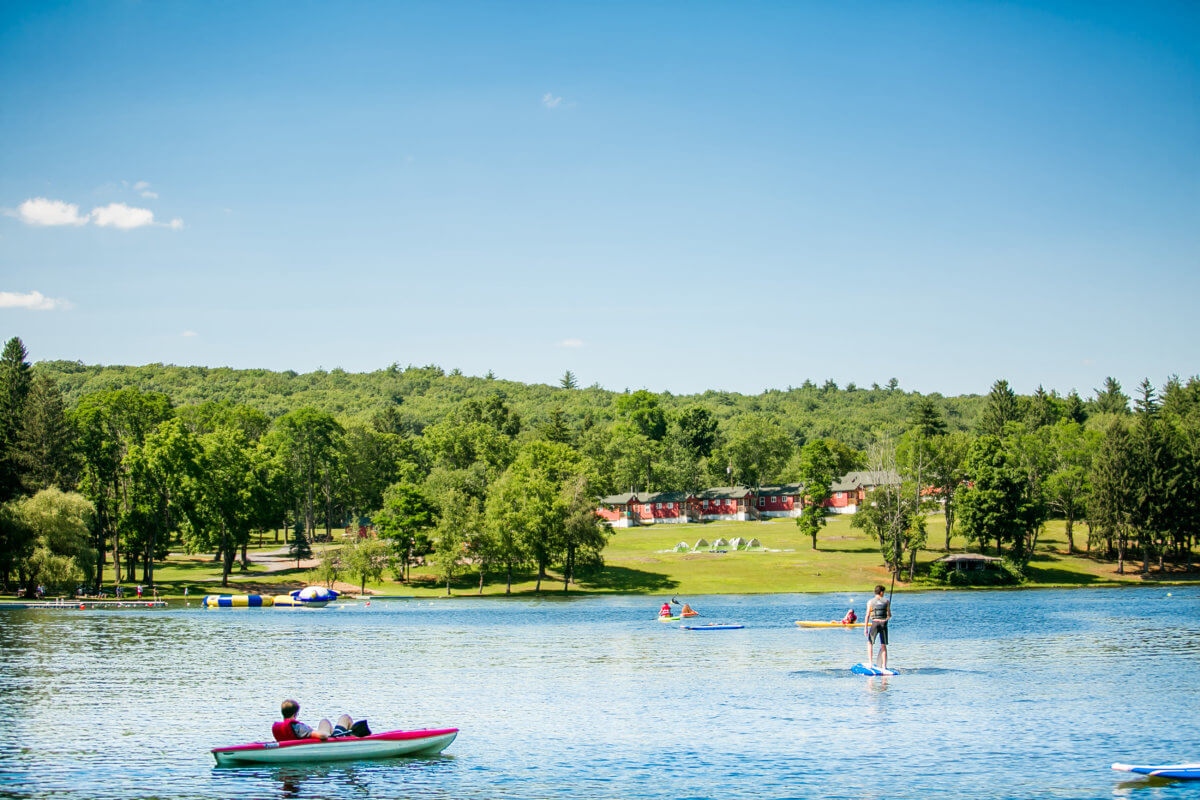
column 78, row 604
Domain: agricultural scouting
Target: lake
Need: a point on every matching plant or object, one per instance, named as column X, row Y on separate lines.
column 1002, row 695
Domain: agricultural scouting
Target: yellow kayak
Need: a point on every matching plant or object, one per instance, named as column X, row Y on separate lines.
column 810, row 623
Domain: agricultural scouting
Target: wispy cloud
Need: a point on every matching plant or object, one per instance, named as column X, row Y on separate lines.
column 45, row 212
column 143, row 188
column 571, row 343
column 551, row 101
column 33, row 301
column 189, row 334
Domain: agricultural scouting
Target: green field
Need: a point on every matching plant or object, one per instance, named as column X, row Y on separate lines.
column 639, row 560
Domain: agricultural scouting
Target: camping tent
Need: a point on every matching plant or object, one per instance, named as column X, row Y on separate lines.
column 700, row 543
column 753, row 543
column 737, row 543
column 682, row 547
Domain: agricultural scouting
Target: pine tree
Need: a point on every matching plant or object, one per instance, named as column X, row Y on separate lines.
column 568, row 380
column 47, row 454
column 1110, row 399
column 1001, row 408
column 298, row 547
column 927, row 421
column 15, row 381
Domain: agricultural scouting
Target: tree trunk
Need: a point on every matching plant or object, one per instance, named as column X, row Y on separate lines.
column 480, row 578
column 1121, row 554
column 1070, row 534
column 508, row 586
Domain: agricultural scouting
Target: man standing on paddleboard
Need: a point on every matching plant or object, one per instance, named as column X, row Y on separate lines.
column 879, row 611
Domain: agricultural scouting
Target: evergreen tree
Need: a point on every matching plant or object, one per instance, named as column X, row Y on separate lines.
column 47, row 452
column 15, row 381
column 568, row 380
column 927, row 420
column 1074, row 408
column 298, row 546
column 1110, row 399
column 1001, row 408
column 1042, row 409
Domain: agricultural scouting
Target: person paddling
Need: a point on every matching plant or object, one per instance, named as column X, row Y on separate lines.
column 665, row 611
column 875, row 623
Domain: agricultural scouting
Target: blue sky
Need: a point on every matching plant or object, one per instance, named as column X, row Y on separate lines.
column 669, row 195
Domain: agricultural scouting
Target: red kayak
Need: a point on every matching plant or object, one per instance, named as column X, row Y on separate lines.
column 347, row 748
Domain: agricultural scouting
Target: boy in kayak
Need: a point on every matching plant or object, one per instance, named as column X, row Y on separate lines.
column 290, row 728
column 879, row 611
column 850, row 617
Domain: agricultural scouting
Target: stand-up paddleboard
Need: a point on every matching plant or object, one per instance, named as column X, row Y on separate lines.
column 866, row 669
column 812, row 623
column 1189, row 772
column 711, row 627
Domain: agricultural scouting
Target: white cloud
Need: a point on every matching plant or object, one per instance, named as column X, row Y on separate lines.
column 33, row 301
column 119, row 215
column 42, row 211
column 550, row 101
column 141, row 186
column 189, row 334
column 571, row 343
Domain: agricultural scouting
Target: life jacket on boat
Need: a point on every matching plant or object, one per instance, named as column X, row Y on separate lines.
column 283, row 731
column 665, row 611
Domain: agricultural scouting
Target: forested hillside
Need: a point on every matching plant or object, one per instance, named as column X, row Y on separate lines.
column 420, row 396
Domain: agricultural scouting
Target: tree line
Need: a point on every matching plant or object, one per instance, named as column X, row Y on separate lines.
column 102, row 470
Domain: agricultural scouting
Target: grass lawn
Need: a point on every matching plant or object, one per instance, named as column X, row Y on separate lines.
column 640, row 560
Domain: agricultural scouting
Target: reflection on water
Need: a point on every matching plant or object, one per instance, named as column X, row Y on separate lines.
column 1004, row 694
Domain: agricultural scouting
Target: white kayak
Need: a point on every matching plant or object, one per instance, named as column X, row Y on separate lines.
column 349, row 748
column 1181, row 771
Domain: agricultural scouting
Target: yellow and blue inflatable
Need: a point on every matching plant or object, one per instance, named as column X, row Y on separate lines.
column 237, row 601
column 308, row 597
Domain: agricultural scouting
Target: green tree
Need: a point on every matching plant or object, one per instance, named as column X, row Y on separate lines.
column 926, row 419
column 61, row 557
column 757, row 448
column 366, row 559
column 47, row 453
column 583, row 536
column 459, row 522
column 163, row 474
column 1000, row 408
column 406, row 514
column 643, row 410
column 1067, row 485
column 225, row 507
column 308, row 440
column 15, row 382
column 16, row 543
column 1110, row 399
column 816, row 475
column 1110, row 499
column 298, row 545
column 992, row 506
column 947, row 471
column 568, row 380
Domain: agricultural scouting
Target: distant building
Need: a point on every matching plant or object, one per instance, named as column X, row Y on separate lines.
column 783, row 500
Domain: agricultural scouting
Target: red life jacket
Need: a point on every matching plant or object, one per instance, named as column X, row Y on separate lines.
column 283, row 731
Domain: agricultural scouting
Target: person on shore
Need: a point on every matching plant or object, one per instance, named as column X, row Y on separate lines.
column 289, row 728
column 879, row 611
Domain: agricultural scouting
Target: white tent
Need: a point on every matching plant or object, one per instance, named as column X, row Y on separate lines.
column 720, row 543
column 753, row 543
column 738, row 543
column 682, row 547
column 700, row 543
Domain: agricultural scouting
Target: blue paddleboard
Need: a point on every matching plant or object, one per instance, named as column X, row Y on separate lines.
column 711, row 627
column 1180, row 771
column 866, row 669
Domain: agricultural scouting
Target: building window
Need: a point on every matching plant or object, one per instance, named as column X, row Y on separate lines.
column 658, row 506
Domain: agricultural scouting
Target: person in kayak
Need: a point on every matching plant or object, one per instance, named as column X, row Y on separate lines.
column 688, row 611
column 290, row 728
column 879, row 611
column 850, row 617
column 665, row 611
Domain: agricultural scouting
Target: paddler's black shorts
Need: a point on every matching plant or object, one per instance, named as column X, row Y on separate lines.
column 878, row 628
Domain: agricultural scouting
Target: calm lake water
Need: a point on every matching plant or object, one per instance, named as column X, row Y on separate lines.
column 1003, row 695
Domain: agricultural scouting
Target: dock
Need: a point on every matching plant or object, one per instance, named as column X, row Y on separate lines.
column 78, row 604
